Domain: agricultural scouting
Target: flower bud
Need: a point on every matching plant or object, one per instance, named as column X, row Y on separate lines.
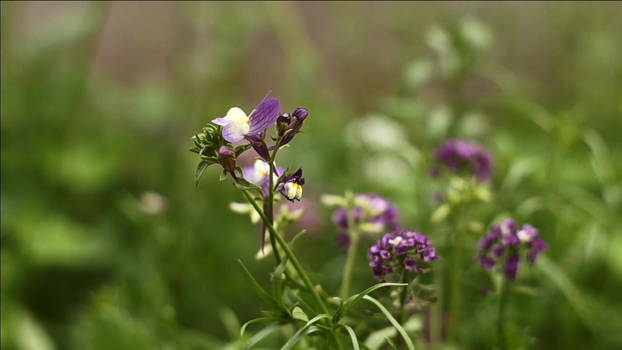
column 226, row 158
column 282, row 123
column 300, row 113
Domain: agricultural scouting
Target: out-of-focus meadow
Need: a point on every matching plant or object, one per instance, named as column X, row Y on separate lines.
column 107, row 244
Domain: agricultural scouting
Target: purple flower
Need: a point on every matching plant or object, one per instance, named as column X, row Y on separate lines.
column 509, row 241
column 511, row 266
column 410, row 264
column 536, row 246
column 486, row 261
column 291, row 187
column 237, row 125
column 369, row 208
column 459, row 155
column 258, row 174
column 400, row 250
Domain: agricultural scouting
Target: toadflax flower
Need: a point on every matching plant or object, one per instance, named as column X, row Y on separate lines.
column 238, row 126
column 459, row 155
column 258, row 174
column 371, row 209
column 291, row 186
column 509, row 241
column 399, row 251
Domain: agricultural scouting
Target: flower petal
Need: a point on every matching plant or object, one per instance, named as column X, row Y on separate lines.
column 232, row 133
column 266, row 114
column 221, row 121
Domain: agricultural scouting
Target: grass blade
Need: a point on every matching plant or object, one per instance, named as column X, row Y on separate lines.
column 302, row 331
column 261, row 293
column 256, row 320
column 260, row 336
column 351, row 301
column 393, row 321
column 355, row 342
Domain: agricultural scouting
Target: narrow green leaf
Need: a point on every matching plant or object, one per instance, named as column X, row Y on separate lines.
column 391, row 343
column 354, row 299
column 302, row 331
column 355, row 341
column 256, row 320
column 203, row 164
column 260, row 336
column 243, row 184
column 261, row 293
column 375, row 340
column 298, row 314
column 277, row 284
column 298, row 235
column 393, row 321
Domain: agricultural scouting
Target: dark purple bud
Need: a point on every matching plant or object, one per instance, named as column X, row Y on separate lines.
column 497, row 251
column 511, row 267
column 410, row 264
column 301, row 114
column 486, row 261
column 259, row 145
column 294, row 126
column 343, row 240
column 226, row 158
column 282, row 123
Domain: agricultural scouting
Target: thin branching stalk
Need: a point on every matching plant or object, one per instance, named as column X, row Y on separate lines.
column 500, row 314
column 351, row 258
column 289, row 253
column 270, row 209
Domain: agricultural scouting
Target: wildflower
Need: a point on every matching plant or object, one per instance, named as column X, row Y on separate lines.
column 400, row 250
column 458, row 155
column 371, row 210
column 258, row 174
column 238, row 126
column 507, row 239
column 291, row 187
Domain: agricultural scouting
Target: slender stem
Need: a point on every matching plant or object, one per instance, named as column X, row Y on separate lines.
column 351, row 259
column 403, row 297
column 500, row 315
column 289, row 253
column 270, row 211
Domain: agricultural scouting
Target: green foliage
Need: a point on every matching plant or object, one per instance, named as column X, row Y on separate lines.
column 106, row 244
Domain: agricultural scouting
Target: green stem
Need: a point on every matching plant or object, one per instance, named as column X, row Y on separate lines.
column 500, row 314
column 289, row 253
column 351, row 259
column 270, row 210
column 403, row 297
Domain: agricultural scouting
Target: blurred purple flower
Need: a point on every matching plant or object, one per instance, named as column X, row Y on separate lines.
column 459, row 155
column 400, row 250
column 508, row 240
column 370, row 208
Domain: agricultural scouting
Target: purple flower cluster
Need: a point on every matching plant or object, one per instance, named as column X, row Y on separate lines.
column 459, row 155
column 371, row 208
column 508, row 240
column 400, row 250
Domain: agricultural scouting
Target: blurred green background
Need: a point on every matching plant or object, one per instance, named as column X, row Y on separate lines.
column 107, row 244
